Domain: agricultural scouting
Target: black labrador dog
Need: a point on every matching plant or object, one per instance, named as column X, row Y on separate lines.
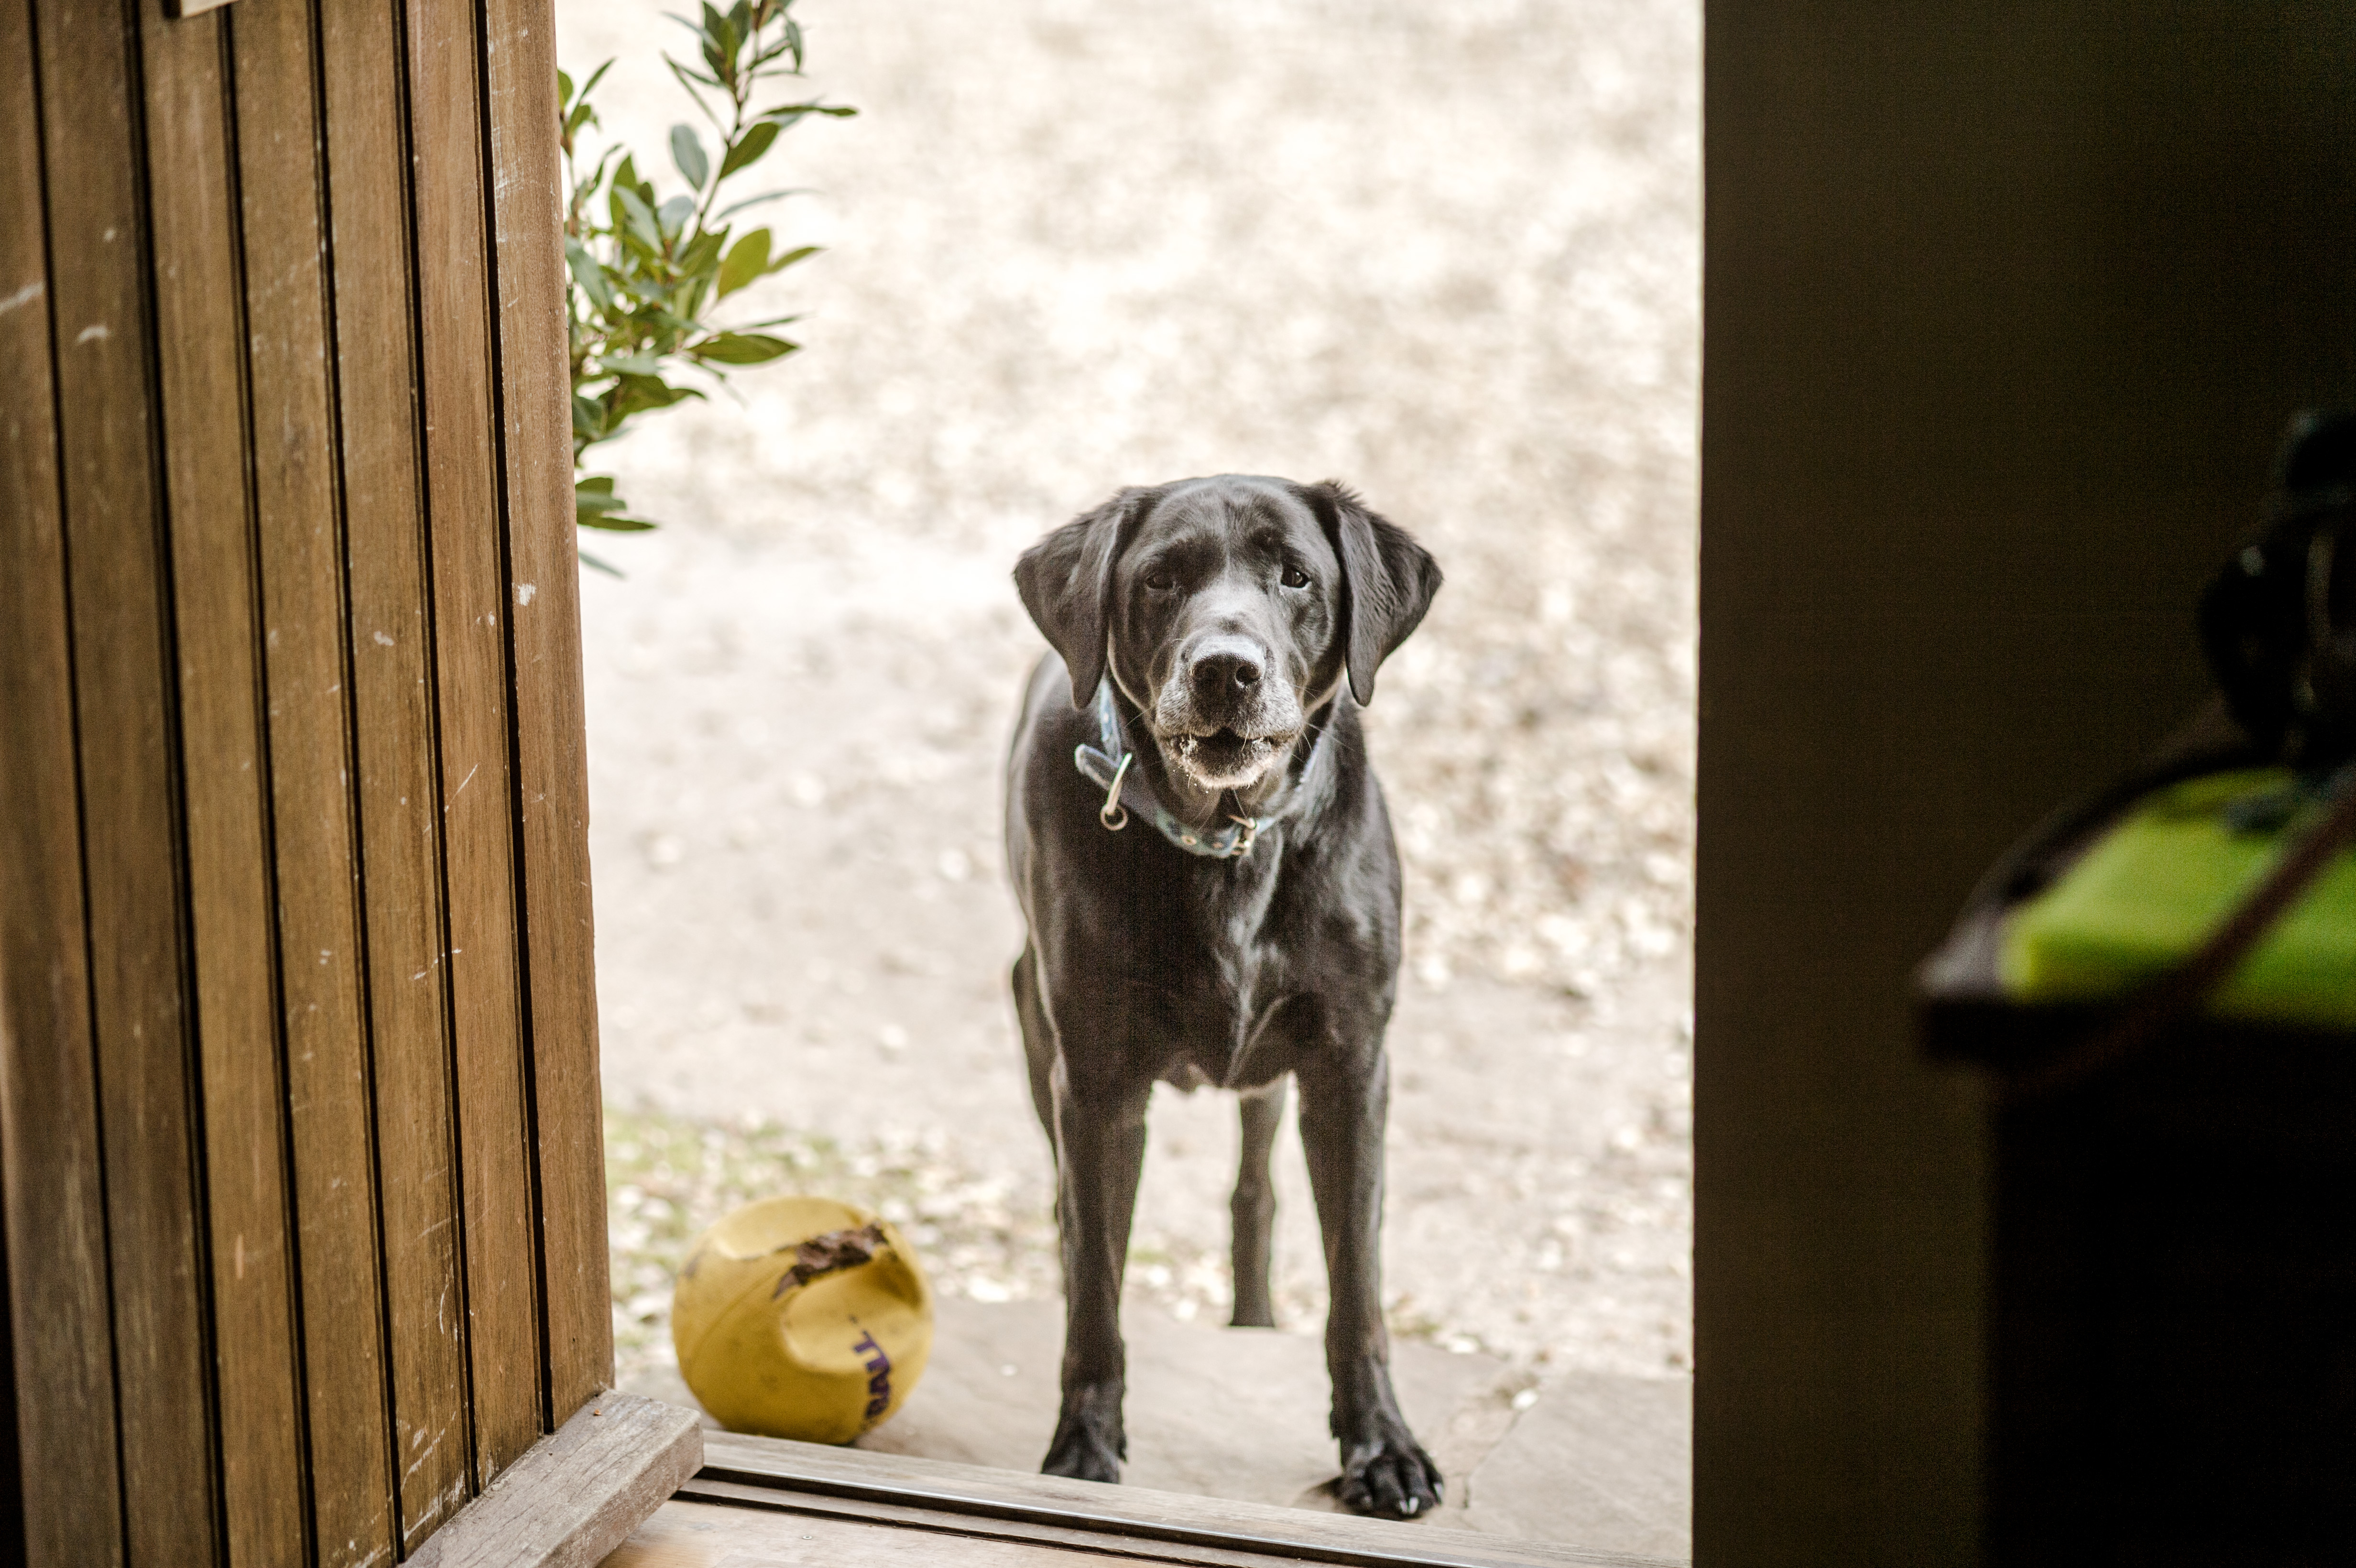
column 1203, row 856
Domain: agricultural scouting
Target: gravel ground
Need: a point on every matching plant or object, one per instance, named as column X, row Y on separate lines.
column 1448, row 254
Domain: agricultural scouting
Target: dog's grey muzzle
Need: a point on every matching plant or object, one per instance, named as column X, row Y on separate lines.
column 1225, row 712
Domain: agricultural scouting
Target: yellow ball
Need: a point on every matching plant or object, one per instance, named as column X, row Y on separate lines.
column 802, row 1318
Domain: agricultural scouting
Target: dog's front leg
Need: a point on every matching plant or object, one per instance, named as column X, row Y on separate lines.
column 1099, row 1152
column 1342, row 1107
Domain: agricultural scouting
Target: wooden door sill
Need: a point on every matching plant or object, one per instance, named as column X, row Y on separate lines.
column 937, row 1497
column 577, row 1493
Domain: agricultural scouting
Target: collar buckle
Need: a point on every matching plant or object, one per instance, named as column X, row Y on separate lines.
column 1244, row 839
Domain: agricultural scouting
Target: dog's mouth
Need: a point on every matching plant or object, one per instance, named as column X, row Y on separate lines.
column 1224, row 758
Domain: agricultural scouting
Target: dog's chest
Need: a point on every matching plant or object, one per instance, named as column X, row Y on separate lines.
column 1237, row 971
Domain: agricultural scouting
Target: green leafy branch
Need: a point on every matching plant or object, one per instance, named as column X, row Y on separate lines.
column 647, row 273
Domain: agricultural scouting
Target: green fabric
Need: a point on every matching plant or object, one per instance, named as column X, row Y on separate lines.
column 2146, row 896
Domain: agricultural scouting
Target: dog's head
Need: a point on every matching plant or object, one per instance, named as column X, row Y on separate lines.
column 1230, row 608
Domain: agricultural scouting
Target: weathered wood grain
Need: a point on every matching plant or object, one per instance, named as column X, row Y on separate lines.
column 545, row 621
column 713, row 1524
column 295, row 880
column 1028, row 1503
column 685, row 1533
column 392, row 660
column 299, row 529
column 473, row 693
column 798, row 1508
column 52, row 1204
column 577, row 1493
column 200, row 321
column 121, row 614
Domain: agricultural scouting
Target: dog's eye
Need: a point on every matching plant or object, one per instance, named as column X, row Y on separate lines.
column 1160, row 581
column 1295, row 578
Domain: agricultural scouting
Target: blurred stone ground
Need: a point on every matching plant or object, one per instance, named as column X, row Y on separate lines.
column 1448, row 254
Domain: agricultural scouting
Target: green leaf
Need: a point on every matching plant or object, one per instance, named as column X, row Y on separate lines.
column 745, row 153
column 586, row 189
column 673, row 215
column 628, row 365
column 689, row 80
column 748, row 260
column 589, row 274
column 703, row 256
column 574, row 106
column 688, row 154
column 588, row 419
column 732, row 210
column 799, row 253
column 634, row 212
column 742, row 348
column 721, row 45
column 595, row 505
column 588, row 560
column 637, row 393
column 786, row 114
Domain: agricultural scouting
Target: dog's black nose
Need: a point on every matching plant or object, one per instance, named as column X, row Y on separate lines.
column 1225, row 674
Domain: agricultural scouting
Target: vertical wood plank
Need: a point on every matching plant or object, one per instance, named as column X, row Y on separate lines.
column 60, row 1330
column 200, row 322
column 120, row 617
column 470, row 639
column 298, row 528
column 551, row 747
column 400, row 809
column 12, row 1459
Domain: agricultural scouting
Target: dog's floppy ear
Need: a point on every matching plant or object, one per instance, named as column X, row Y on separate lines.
column 1065, row 581
column 1388, row 580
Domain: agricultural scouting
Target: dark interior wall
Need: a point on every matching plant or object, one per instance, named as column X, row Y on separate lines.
column 2006, row 306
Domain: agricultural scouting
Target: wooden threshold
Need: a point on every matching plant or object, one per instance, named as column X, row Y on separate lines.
column 933, row 1495
column 576, row 1493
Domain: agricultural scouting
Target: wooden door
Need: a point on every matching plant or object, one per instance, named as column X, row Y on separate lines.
column 299, row 1132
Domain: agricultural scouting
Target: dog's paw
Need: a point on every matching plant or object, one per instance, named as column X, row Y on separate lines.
column 1390, row 1476
column 1085, row 1452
